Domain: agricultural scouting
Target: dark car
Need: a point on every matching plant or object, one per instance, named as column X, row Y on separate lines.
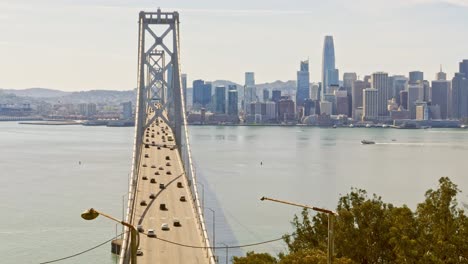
column 182, row 198
column 152, row 196
column 162, row 206
column 153, row 180
column 161, row 186
column 179, row 185
column 143, row 203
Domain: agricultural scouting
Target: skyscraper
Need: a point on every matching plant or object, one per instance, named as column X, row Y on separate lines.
column 440, row 93
column 399, row 84
column 370, row 103
column 357, row 94
column 233, row 101
column 415, row 95
column 275, row 95
column 464, row 68
column 328, row 62
column 460, row 95
column 201, row 93
column 266, row 95
column 250, row 79
column 303, row 91
column 348, row 79
column 250, row 91
column 415, row 77
column 380, row 83
column 441, row 76
column 220, row 94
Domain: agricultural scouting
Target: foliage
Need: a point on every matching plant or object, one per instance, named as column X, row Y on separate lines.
column 367, row 230
column 255, row 258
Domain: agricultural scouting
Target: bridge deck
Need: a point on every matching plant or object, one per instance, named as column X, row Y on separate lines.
column 151, row 216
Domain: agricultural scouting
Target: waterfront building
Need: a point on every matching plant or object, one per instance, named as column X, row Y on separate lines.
column 371, row 104
column 275, row 95
column 326, row 108
column 332, row 99
column 201, row 93
column 380, row 83
column 415, row 77
column 459, row 95
column 270, row 111
column 328, row 63
column 342, row 102
column 127, row 111
column 266, row 95
column 286, row 108
column 309, row 107
column 415, row 94
column 233, row 102
column 220, row 95
column 404, row 99
column 440, row 95
column 356, row 97
column 303, row 83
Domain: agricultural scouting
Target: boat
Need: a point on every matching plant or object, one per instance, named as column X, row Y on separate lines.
column 384, row 126
column 367, row 142
column 368, row 125
column 351, row 125
column 334, row 126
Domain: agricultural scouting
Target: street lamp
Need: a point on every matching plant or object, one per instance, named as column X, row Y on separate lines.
column 227, row 253
column 214, row 230
column 91, row 214
column 331, row 215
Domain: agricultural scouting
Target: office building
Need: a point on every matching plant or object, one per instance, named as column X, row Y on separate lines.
column 275, row 95
column 326, row 108
column 201, row 93
column 250, row 79
column 332, row 99
column 315, row 91
column 309, row 107
column 404, row 99
column 220, row 95
column 357, row 94
column 303, row 91
column 441, row 76
column 342, row 106
column 463, row 68
column 328, row 63
column 370, row 101
column 459, row 95
column 415, row 95
column 440, row 95
column 266, row 95
column 348, row 79
column 127, row 111
column 400, row 83
column 286, row 110
column 415, row 77
column 233, row 102
column 380, row 83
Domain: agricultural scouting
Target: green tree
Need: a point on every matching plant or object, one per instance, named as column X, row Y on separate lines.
column 255, row 258
column 310, row 256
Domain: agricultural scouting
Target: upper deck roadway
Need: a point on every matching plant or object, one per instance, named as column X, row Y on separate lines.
column 163, row 164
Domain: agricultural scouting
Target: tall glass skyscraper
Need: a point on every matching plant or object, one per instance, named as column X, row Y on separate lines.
column 328, row 63
column 303, row 91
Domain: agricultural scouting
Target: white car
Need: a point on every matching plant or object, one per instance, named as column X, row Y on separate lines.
column 165, row 226
column 151, row 233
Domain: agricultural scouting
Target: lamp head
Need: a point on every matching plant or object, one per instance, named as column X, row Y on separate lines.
column 90, row 214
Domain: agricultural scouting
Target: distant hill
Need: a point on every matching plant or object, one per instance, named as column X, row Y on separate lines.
column 36, row 92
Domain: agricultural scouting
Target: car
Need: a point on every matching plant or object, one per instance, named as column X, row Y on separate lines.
column 146, row 145
column 143, row 203
column 152, row 196
column 161, row 186
column 161, row 168
column 163, row 137
column 168, row 158
column 168, row 164
column 179, row 185
column 152, row 136
column 176, row 222
column 153, row 166
column 151, row 233
column 153, row 180
column 157, row 133
column 165, row 227
column 139, row 252
column 147, row 140
column 182, row 198
column 140, row 228
column 170, row 138
column 169, row 173
column 144, row 178
column 173, row 147
column 146, row 156
column 156, row 173
column 165, row 146
column 144, row 165
column 162, row 207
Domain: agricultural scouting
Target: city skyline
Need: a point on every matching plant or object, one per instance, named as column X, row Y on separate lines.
column 80, row 50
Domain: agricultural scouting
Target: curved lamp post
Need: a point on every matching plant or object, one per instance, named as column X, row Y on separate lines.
column 91, row 214
column 331, row 215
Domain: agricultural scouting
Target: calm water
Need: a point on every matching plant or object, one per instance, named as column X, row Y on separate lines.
column 43, row 189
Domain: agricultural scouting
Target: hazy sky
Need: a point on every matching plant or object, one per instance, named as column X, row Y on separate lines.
column 84, row 44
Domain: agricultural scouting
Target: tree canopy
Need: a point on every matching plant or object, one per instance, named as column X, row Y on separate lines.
column 368, row 230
